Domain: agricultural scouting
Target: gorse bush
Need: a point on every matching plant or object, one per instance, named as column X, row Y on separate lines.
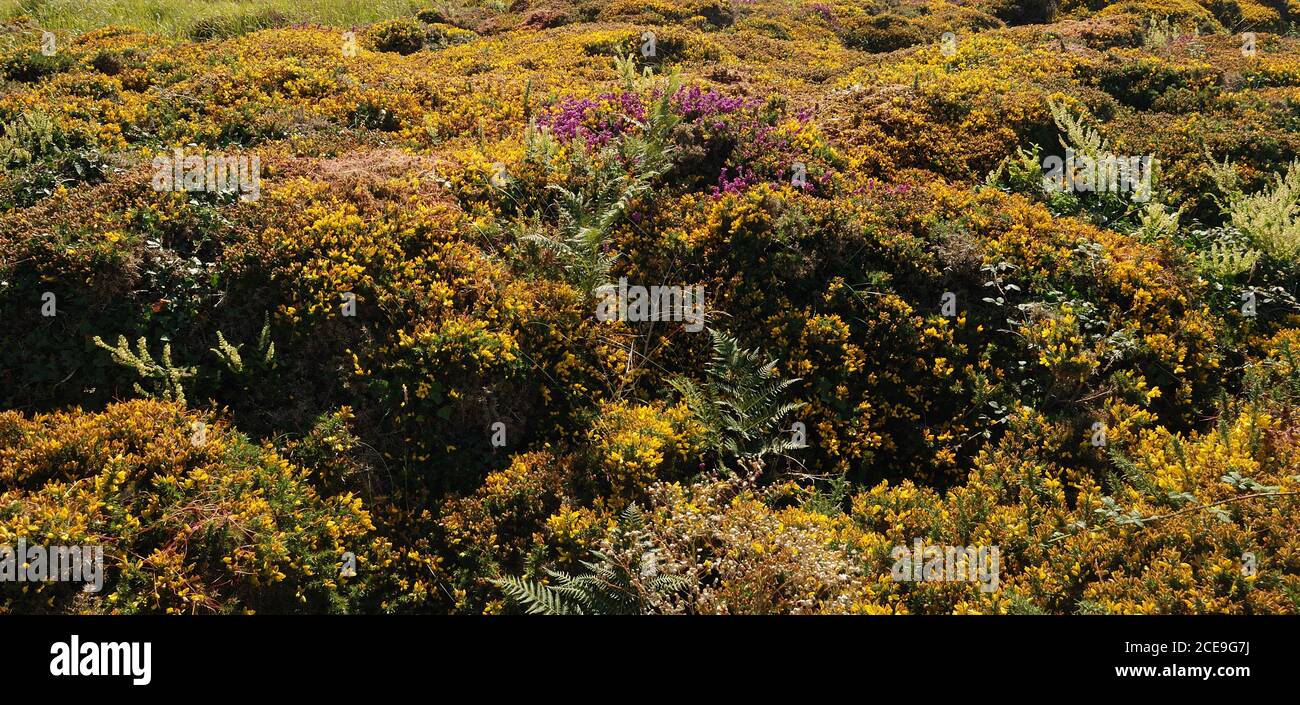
column 445, row 351
column 402, row 35
column 192, row 517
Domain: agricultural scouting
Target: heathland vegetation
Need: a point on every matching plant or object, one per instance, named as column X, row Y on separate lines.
column 299, row 304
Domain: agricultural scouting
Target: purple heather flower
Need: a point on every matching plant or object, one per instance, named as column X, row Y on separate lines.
column 596, row 121
column 695, row 103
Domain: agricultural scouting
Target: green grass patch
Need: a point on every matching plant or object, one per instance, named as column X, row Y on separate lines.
column 203, row 19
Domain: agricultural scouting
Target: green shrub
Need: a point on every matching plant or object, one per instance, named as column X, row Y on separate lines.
column 880, row 33
column 402, row 35
column 192, row 517
column 30, row 66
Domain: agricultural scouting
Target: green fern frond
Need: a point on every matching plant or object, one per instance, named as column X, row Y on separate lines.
column 587, row 215
column 534, row 597
column 633, row 517
column 741, row 401
column 1076, row 135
